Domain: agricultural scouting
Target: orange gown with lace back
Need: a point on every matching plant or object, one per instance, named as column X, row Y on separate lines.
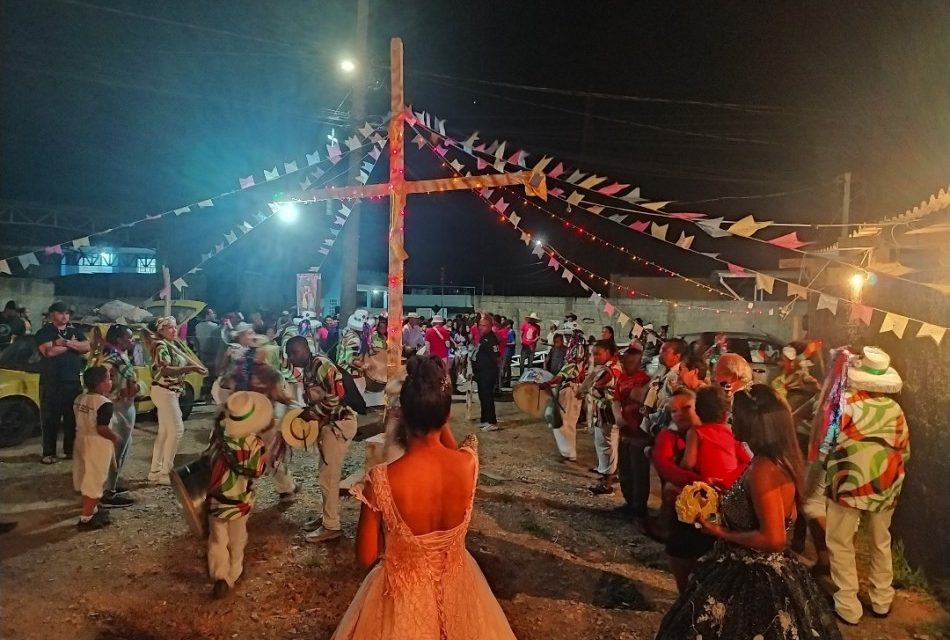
column 426, row 587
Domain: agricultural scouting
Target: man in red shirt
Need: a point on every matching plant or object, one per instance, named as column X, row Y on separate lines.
column 438, row 339
column 530, row 334
column 628, row 399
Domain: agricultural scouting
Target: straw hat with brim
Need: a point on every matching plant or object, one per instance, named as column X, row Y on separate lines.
column 358, row 319
column 243, row 327
column 533, row 316
column 875, row 373
column 246, row 412
column 437, row 319
column 297, row 431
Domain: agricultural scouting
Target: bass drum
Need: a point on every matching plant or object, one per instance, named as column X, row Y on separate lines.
column 527, row 393
column 190, row 482
column 374, row 370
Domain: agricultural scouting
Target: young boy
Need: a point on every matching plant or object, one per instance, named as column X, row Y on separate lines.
column 237, row 460
column 96, row 444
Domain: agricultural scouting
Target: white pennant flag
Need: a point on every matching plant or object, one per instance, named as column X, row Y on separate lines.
column 894, row 322
column 204, row 204
column 271, row 175
column 637, row 329
column 500, row 150
column 274, row 207
column 659, row 230
column 180, row 284
column 231, row 237
column 584, row 285
column 514, row 219
column 362, row 178
column 305, row 184
column 713, row 226
column 334, row 232
column 685, row 241
column 81, row 242
column 618, row 218
column 27, row 260
column 595, row 298
column 329, row 241
column 567, row 275
column 927, row 330
column 827, row 302
column 182, row 210
column 366, row 130
column 290, row 167
column 353, row 143
column 325, row 251
column 633, row 196
column 245, row 226
column 764, row 282
column 345, row 211
column 525, row 238
column 455, row 164
column 797, row 291
column 313, row 158
column 623, row 319
column 574, row 177
column 538, row 251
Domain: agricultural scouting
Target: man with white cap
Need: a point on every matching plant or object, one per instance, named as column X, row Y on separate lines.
column 413, row 337
column 530, row 334
column 438, row 339
column 354, row 344
column 865, row 476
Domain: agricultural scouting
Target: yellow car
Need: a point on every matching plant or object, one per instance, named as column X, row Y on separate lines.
column 20, row 365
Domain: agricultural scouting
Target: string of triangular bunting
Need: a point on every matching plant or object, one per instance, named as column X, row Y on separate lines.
column 234, row 234
column 313, row 168
column 892, row 321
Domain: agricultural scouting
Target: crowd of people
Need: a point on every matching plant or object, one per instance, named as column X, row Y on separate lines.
column 699, row 417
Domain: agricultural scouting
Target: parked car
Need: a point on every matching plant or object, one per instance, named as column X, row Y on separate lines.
column 20, row 365
column 761, row 350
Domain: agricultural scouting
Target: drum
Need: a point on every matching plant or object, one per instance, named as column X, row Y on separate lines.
column 190, row 482
column 527, row 394
column 374, row 369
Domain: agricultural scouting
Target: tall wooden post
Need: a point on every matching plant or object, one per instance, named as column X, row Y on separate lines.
column 397, row 206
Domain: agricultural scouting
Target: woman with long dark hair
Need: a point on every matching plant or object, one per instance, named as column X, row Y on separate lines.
column 412, row 528
column 750, row 585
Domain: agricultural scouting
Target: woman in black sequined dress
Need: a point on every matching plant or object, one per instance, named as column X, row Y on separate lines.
column 750, row 587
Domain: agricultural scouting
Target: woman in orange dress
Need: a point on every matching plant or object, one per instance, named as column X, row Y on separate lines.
column 423, row 583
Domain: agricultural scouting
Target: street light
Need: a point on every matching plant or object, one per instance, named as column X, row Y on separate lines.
column 288, row 213
column 857, row 284
column 347, row 65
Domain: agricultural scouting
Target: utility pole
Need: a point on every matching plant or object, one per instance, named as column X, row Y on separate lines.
column 351, row 231
column 846, row 206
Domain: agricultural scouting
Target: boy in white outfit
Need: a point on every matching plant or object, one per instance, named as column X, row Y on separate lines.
column 96, row 444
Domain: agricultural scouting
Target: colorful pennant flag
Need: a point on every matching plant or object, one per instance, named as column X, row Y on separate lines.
column 247, row 182
column 271, row 175
column 828, row 302
column 928, row 330
column 764, row 282
column 861, row 312
column 894, row 322
column 788, row 241
column 747, row 226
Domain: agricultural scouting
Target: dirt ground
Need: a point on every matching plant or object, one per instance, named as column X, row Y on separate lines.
column 564, row 564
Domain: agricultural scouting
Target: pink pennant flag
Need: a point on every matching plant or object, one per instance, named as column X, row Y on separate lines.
column 480, row 164
column 246, row 182
column 480, row 148
column 684, row 215
column 164, row 293
column 57, row 249
column 861, row 312
column 553, row 263
column 374, row 153
column 734, row 268
column 410, row 117
column 501, row 206
column 640, row 225
column 419, row 141
column 441, row 150
column 612, row 189
column 556, row 192
column 556, row 171
column 788, row 241
column 486, row 192
column 608, row 309
column 333, row 150
column 516, row 158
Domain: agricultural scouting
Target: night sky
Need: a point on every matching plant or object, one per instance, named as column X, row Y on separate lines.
column 131, row 108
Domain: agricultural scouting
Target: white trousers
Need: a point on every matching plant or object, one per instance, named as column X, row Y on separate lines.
column 171, row 428
column 333, row 445
column 283, row 480
column 226, row 542
column 842, row 524
column 607, row 446
column 566, row 436
column 815, row 505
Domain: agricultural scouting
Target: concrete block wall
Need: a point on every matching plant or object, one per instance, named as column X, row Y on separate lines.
column 681, row 318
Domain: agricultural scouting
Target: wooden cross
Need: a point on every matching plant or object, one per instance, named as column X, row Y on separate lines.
column 398, row 188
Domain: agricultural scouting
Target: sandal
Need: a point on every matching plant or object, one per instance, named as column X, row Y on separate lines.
column 48, row 460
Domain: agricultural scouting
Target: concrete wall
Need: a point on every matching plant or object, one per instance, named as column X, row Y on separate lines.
column 680, row 316
column 922, row 519
column 35, row 295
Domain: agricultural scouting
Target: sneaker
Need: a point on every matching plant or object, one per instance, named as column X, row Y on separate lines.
column 220, row 589
column 121, row 489
column 290, row 496
column 489, row 427
column 313, row 524
column 322, row 535
column 113, row 500
column 49, row 460
column 92, row 524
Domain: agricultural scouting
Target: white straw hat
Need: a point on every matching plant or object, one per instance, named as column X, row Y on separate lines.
column 246, row 412
column 875, row 373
